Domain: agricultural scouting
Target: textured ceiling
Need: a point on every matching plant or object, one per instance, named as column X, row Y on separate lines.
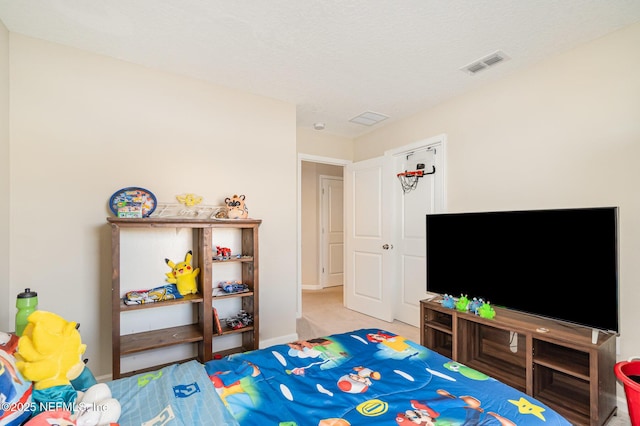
column 333, row 59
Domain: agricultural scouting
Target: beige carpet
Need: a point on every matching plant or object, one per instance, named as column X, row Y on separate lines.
column 323, row 313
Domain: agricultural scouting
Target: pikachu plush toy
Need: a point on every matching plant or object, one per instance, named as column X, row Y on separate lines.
column 183, row 275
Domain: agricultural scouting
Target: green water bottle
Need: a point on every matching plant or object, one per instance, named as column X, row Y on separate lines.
column 27, row 302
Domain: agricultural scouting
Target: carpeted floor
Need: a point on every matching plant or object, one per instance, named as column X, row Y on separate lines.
column 323, row 313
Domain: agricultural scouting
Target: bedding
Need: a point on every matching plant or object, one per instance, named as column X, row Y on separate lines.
column 363, row 377
column 180, row 394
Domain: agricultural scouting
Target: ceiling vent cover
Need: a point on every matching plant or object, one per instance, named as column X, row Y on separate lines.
column 486, row 62
column 368, row 118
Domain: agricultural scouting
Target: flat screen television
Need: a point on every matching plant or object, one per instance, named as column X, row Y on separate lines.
column 561, row 264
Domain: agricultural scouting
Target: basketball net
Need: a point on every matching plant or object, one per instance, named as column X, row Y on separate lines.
column 409, row 180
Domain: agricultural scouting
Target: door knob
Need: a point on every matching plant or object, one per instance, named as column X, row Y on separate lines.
column 387, row 246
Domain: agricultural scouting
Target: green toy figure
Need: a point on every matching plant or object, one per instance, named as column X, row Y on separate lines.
column 487, row 311
column 463, row 303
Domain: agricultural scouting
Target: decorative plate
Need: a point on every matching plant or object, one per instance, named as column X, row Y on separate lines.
column 133, row 196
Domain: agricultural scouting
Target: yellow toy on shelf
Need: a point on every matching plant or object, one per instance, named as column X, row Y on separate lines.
column 183, row 275
column 189, row 200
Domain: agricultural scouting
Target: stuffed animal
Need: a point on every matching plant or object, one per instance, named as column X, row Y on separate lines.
column 189, row 200
column 183, row 275
column 487, row 311
column 463, row 303
column 475, row 304
column 90, row 405
column 49, row 354
column 448, row 301
column 236, row 208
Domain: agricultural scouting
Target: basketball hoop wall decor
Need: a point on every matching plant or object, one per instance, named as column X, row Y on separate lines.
column 409, row 178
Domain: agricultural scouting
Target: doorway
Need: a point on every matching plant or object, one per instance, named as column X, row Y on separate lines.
column 310, row 170
column 331, row 230
column 408, row 264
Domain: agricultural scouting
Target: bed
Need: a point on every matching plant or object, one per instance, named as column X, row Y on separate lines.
column 363, row 377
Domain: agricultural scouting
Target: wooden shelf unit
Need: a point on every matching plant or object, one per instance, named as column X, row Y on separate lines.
column 201, row 331
column 560, row 367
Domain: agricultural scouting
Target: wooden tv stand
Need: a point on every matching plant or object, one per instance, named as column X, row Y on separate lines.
column 555, row 362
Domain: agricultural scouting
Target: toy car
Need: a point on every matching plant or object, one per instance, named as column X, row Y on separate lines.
column 243, row 319
column 234, row 286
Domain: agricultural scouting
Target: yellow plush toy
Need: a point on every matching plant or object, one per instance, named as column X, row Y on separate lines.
column 49, row 354
column 183, row 275
column 189, row 200
column 49, row 349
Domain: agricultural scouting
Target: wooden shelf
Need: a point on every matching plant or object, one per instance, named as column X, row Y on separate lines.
column 234, row 260
column 226, row 330
column 139, row 342
column 233, row 295
column 201, row 331
column 560, row 367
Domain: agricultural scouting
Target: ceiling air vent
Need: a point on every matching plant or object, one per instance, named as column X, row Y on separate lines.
column 368, row 118
column 484, row 63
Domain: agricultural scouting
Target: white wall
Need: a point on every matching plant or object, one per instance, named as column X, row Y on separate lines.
column 5, row 293
column 565, row 133
column 84, row 126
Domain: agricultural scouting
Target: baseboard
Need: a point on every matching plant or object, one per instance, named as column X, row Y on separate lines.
column 311, row 287
column 279, row 340
column 104, row 378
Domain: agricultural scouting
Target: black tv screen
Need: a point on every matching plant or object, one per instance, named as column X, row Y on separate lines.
column 561, row 263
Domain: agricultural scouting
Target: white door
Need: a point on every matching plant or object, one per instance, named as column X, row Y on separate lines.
column 389, row 283
column 331, row 231
column 410, row 230
column 369, row 265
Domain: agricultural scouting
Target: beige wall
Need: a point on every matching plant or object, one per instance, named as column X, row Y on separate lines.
column 565, row 133
column 323, row 144
column 84, row 126
column 5, row 293
column 310, row 218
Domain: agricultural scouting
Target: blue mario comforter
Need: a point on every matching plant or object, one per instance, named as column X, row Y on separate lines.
column 366, row 377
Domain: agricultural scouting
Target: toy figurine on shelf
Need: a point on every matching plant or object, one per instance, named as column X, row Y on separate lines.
column 448, row 301
column 463, row 303
column 231, row 287
column 223, row 253
column 475, row 304
column 241, row 320
column 487, row 311
column 189, row 200
column 183, row 275
column 236, row 207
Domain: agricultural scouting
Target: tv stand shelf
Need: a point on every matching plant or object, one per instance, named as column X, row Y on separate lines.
column 555, row 362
